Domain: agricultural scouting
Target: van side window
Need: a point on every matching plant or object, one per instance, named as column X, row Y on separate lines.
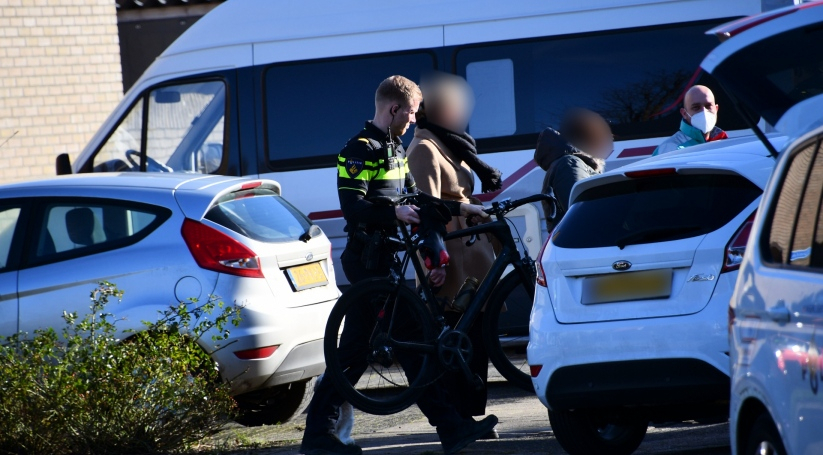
column 634, row 78
column 796, row 211
column 312, row 108
column 185, row 131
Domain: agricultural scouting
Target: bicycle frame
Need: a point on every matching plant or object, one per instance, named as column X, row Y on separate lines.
column 509, row 254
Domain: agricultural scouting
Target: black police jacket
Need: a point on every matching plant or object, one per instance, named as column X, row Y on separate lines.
column 372, row 165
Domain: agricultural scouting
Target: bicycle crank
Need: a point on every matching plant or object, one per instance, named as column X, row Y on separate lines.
column 455, row 350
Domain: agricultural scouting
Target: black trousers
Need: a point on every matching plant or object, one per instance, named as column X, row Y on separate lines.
column 468, row 401
column 325, row 404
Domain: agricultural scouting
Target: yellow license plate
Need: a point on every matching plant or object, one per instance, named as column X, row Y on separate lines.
column 620, row 287
column 307, row 276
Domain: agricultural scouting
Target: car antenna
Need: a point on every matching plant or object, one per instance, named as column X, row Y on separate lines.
column 9, row 138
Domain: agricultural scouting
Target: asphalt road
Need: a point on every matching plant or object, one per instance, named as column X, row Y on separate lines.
column 523, row 428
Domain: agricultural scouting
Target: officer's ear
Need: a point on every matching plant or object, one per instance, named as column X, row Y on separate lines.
column 394, row 109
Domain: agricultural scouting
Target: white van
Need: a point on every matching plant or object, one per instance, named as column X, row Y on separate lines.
column 274, row 89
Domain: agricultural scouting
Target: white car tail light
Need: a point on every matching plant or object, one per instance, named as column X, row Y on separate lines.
column 213, row 250
column 541, row 274
column 737, row 246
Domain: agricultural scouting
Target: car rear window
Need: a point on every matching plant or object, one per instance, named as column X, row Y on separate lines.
column 770, row 86
column 654, row 209
column 259, row 214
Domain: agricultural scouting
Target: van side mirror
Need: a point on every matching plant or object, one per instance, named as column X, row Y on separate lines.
column 62, row 164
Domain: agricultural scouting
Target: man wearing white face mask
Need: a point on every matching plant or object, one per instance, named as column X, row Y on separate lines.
column 699, row 113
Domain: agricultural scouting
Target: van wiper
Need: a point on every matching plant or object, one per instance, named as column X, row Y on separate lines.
column 313, row 231
column 653, row 234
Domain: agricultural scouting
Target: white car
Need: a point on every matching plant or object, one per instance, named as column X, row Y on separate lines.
column 777, row 306
column 166, row 238
column 628, row 324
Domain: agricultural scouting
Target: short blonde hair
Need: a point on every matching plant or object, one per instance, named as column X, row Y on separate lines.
column 397, row 90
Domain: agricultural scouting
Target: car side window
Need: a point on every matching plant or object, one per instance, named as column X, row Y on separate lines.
column 793, row 223
column 9, row 217
column 175, row 128
column 77, row 228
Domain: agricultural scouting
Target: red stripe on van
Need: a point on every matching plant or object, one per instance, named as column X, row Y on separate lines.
column 325, row 215
column 517, row 175
column 637, row 151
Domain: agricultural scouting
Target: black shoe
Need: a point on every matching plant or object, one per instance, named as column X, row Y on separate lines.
column 455, row 439
column 327, row 444
column 491, row 434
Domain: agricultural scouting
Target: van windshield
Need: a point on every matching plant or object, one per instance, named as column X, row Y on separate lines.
column 654, row 209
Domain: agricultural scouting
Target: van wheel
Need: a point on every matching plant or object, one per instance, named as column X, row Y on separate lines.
column 278, row 404
column 592, row 431
column 764, row 439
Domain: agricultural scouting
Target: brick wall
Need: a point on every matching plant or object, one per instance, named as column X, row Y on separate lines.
column 60, row 76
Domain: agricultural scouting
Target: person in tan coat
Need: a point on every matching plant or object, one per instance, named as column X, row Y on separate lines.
column 443, row 159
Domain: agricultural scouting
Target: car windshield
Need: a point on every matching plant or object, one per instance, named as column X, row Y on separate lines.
column 260, row 214
column 654, row 209
column 772, row 75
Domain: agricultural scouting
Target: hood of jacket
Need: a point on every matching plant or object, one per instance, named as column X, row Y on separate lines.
column 551, row 146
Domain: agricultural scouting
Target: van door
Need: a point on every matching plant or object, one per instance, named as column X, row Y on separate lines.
column 182, row 126
column 308, row 116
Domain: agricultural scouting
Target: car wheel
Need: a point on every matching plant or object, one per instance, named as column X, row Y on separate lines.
column 592, row 431
column 278, row 404
column 764, row 439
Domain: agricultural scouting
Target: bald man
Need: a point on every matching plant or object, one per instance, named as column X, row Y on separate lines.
column 699, row 114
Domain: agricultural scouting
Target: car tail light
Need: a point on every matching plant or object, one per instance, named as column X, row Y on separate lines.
column 737, row 245
column 541, row 274
column 256, row 353
column 650, row 172
column 214, row 250
column 535, row 370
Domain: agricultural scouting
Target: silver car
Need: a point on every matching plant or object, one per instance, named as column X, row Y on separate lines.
column 166, row 238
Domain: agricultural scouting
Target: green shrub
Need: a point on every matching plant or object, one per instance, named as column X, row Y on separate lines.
column 87, row 392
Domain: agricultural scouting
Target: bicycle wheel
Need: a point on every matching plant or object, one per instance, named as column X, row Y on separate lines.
column 380, row 346
column 506, row 332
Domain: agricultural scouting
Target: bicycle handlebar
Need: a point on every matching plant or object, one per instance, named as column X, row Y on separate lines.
column 500, row 208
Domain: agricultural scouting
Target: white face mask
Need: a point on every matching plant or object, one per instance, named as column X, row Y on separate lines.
column 703, row 120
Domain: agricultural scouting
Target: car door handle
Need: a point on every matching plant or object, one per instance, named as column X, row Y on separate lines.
column 779, row 314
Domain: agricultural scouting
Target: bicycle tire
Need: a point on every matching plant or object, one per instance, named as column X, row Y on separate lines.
column 507, row 334
column 384, row 388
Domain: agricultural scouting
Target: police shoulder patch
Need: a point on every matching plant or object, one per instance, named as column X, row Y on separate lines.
column 354, row 166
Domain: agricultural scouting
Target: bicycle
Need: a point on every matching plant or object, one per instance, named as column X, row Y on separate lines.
column 409, row 332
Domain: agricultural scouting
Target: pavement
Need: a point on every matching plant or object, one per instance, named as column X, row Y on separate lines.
column 523, row 428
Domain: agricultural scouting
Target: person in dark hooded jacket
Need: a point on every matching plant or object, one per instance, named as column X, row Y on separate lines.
column 575, row 152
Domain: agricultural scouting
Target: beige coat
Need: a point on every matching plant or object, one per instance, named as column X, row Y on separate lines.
column 437, row 171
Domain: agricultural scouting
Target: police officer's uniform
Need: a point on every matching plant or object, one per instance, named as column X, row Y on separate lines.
column 371, row 164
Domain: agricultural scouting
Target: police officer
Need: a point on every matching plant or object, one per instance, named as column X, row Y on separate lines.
column 373, row 163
